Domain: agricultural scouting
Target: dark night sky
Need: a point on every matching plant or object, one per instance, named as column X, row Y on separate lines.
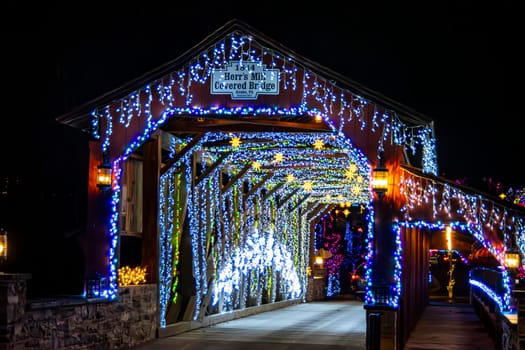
column 460, row 65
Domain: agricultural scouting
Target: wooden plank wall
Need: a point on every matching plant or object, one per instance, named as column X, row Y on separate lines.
column 414, row 280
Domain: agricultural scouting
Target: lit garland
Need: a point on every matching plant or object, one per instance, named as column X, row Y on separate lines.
column 504, row 300
column 234, row 47
column 480, row 214
column 136, row 108
column 350, row 106
column 170, row 229
column 260, row 252
column 490, row 293
column 128, row 276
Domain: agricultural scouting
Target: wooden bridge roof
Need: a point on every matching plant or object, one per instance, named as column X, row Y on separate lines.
column 80, row 116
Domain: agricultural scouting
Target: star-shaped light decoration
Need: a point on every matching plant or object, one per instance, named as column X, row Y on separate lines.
column 359, row 178
column 308, row 186
column 256, row 165
column 350, row 171
column 318, row 144
column 235, row 141
column 346, row 212
column 340, row 197
column 356, row 190
column 278, row 157
column 290, row 178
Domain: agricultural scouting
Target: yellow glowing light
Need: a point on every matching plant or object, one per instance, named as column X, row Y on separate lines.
column 290, row 178
column 359, row 178
column 131, row 276
column 278, row 157
column 319, row 260
column 356, row 190
column 328, row 197
column 235, row 141
column 104, row 175
column 349, row 174
column 449, row 238
column 318, row 118
column 308, row 186
column 340, row 197
column 318, row 144
column 512, row 260
column 346, row 212
column 256, row 165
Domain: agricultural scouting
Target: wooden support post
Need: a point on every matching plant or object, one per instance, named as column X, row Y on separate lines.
column 150, row 235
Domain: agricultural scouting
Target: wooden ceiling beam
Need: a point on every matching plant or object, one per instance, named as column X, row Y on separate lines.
column 177, row 125
column 181, row 153
column 212, row 167
column 236, row 178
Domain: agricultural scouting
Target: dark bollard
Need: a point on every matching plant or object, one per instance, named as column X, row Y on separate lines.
column 373, row 339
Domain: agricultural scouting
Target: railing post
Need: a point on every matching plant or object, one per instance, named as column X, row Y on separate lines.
column 373, row 335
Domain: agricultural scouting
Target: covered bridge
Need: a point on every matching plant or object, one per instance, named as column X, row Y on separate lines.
column 224, row 160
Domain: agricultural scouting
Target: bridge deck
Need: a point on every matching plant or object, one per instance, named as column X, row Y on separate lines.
column 450, row 326
column 334, row 324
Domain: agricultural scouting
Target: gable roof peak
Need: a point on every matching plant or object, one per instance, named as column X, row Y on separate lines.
column 80, row 116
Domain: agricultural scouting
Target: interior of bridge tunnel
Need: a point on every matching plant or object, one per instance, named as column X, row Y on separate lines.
column 340, row 236
column 342, row 233
column 453, row 254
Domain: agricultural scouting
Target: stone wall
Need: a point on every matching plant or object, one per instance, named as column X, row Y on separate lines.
column 316, row 289
column 69, row 323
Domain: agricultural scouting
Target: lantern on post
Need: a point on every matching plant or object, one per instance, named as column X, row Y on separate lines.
column 104, row 174
column 380, row 179
column 512, row 259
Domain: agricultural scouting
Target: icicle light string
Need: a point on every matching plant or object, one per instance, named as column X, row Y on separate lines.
column 243, row 48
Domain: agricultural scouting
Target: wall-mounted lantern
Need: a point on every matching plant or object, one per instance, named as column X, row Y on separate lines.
column 104, row 174
column 380, row 179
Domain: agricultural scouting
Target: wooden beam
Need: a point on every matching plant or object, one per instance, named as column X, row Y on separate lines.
column 246, row 125
column 212, row 167
column 287, row 198
column 299, row 203
column 259, row 184
column 181, row 153
column 236, row 177
column 150, row 183
column 273, row 190
column 324, row 208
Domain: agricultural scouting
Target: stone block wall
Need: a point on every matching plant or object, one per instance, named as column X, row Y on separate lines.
column 316, row 289
column 86, row 324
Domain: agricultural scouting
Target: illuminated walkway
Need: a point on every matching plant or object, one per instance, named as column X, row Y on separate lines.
column 334, row 324
column 451, row 327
